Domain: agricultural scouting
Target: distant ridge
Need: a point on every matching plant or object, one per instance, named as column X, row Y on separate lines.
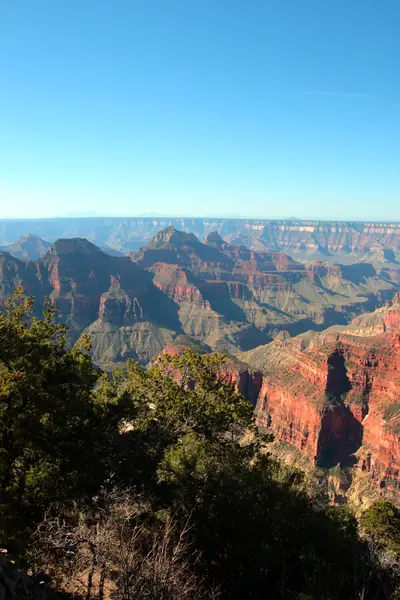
column 305, row 240
column 27, row 247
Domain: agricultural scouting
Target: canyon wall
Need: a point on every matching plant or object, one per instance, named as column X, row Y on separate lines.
column 335, row 398
column 294, row 237
column 223, row 296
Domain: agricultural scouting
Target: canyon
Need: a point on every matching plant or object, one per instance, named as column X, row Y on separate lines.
column 334, row 398
column 314, row 345
column 211, row 295
column 336, row 241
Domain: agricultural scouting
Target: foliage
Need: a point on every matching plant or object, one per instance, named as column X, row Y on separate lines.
column 48, row 421
column 157, row 484
column 156, row 409
column 381, row 522
column 186, row 392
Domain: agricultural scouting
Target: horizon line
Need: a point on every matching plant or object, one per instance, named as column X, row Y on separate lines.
column 208, row 217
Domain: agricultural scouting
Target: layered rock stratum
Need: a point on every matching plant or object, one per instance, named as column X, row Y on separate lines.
column 374, row 242
column 334, row 397
column 321, row 369
column 225, row 297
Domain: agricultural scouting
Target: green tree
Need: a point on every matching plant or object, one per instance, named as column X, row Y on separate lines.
column 381, row 522
column 50, row 430
column 156, row 408
column 182, row 439
column 190, row 440
column 260, row 536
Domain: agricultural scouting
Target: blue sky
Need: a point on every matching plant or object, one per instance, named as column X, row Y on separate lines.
column 212, row 107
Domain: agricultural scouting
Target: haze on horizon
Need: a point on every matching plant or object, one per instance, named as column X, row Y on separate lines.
column 212, row 108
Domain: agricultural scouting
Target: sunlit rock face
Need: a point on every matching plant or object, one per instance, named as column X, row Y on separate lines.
column 335, row 396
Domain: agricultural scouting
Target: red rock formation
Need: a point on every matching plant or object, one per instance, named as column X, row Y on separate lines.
column 335, row 396
column 303, row 407
column 392, row 318
column 248, row 382
column 178, row 284
column 227, row 296
column 316, row 294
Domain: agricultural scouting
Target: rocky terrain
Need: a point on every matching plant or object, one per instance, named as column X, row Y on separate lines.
column 32, row 247
column 178, row 290
column 27, row 247
column 377, row 243
column 321, row 370
column 334, row 398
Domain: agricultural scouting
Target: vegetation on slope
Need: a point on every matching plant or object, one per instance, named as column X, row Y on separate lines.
column 154, row 484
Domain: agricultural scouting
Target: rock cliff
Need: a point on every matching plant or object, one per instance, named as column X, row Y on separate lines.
column 225, row 296
column 335, row 398
column 268, row 290
column 309, row 240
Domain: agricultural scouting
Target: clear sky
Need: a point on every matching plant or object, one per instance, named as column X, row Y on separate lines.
column 200, row 107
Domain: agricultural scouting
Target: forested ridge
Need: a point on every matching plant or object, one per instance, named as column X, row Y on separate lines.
column 156, row 484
